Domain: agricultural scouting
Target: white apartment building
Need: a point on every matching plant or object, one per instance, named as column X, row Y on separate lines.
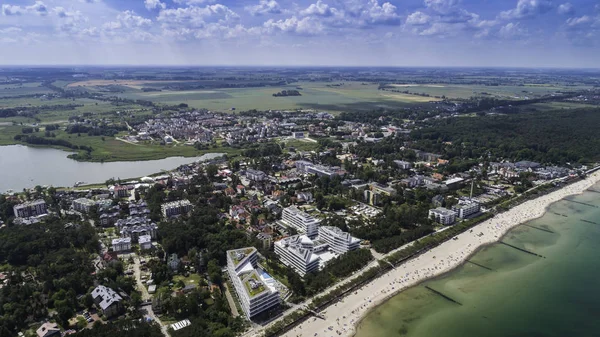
column 121, row 244
column 300, row 220
column 442, row 215
column 255, row 292
column 464, row 209
column 296, row 252
column 145, row 242
column 339, row 241
column 83, row 205
column 403, row 164
column 175, row 208
column 31, row 208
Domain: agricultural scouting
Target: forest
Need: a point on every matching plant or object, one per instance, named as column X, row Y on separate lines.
column 556, row 137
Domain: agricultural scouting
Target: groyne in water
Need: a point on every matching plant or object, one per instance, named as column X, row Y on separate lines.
column 480, row 265
column 444, row 296
column 539, row 228
column 581, row 203
column 521, row 249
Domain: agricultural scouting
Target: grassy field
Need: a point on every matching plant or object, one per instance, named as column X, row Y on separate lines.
column 111, row 149
column 315, row 95
column 466, row 91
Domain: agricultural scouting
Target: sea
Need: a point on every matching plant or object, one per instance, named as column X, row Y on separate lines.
column 507, row 292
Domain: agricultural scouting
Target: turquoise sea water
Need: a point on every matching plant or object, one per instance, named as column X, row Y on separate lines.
column 523, row 295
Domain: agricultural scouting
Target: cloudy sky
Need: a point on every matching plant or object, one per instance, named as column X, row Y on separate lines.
column 530, row 33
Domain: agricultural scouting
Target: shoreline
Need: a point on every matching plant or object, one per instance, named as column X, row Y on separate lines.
column 346, row 315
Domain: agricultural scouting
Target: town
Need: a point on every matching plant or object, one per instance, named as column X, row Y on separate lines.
column 241, row 243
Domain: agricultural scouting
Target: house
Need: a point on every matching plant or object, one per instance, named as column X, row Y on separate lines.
column 173, row 261
column 145, row 242
column 121, row 244
column 48, row 330
column 107, row 300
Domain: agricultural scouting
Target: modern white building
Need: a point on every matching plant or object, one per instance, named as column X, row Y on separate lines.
column 175, row 208
column 301, row 221
column 339, row 241
column 145, row 242
column 83, row 205
column 121, row 244
column 403, row 164
column 442, row 215
column 107, row 300
column 466, row 208
column 31, row 208
column 296, row 252
column 255, row 175
column 255, row 292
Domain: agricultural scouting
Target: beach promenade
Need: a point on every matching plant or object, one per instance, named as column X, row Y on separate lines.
column 342, row 318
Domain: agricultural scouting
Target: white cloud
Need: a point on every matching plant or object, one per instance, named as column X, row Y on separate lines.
column 128, row 19
column 579, row 21
column 318, row 9
column 264, row 7
column 38, row 8
column 441, row 6
column 303, row 26
column 153, row 4
column 527, row 9
column 566, row 9
column 418, row 18
column 192, row 2
column 196, row 16
column 512, row 30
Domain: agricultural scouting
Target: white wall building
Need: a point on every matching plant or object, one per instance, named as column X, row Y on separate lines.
column 296, row 252
column 442, row 215
column 175, row 208
column 83, row 205
column 339, row 241
column 255, row 293
column 31, row 208
column 464, row 209
column 121, row 244
column 145, row 242
column 300, row 220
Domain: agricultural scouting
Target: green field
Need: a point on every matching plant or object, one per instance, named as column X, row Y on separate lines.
column 467, row 91
column 315, row 95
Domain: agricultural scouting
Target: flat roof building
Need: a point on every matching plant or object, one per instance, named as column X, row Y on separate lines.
column 301, row 221
column 175, row 208
column 255, row 292
column 30, row 208
column 339, row 241
column 442, row 215
column 466, row 208
column 83, row 205
column 296, row 252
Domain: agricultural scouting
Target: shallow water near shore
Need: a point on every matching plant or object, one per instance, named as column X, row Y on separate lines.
column 522, row 295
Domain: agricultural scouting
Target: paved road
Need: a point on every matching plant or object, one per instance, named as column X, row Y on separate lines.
column 146, row 296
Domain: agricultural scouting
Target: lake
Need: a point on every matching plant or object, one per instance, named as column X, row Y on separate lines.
column 516, row 294
column 25, row 167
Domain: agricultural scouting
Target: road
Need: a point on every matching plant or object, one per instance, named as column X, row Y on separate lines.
column 146, row 296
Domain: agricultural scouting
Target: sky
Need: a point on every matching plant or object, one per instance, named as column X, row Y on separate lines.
column 478, row 33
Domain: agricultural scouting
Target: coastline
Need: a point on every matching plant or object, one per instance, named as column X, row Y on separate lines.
column 345, row 316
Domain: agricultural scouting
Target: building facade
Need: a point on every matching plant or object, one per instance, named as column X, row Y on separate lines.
column 255, row 293
column 442, row 215
column 339, row 241
column 83, row 205
column 107, row 300
column 296, row 252
column 301, row 221
column 121, row 244
column 175, row 208
column 465, row 209
column 30, row 208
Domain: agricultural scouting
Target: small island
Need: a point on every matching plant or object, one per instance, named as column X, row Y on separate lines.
column 286, row 93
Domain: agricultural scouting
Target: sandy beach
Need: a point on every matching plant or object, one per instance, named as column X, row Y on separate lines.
column 343, row 317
